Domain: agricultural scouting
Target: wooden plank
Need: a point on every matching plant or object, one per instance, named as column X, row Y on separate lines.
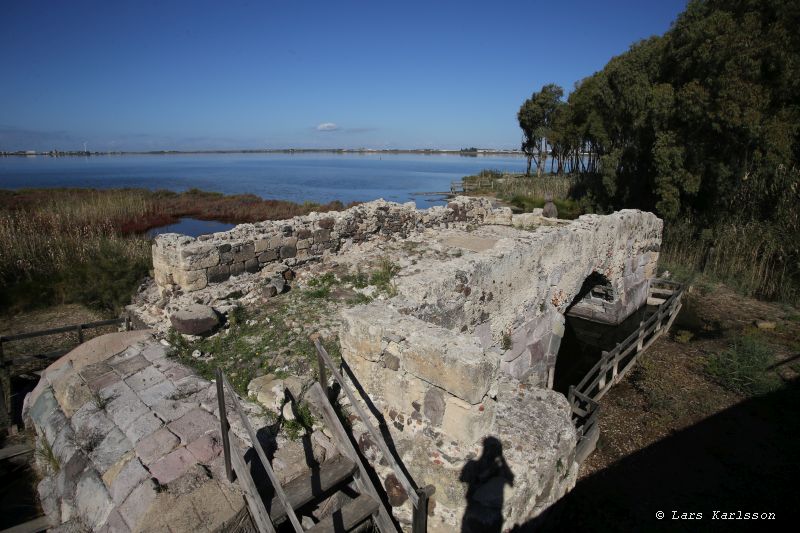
column 303, row 489
column 32, row 526
column 374, row 433
column 64, row 329
column 14, row 450
column 383, row 520
column 254, row 503
column 263, row 456
column 347, row 517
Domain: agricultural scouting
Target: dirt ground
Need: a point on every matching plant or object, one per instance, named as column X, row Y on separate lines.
column 51, row 317
column 674, row 440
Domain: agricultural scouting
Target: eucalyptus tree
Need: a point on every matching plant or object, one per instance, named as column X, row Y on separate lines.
column 535, row 116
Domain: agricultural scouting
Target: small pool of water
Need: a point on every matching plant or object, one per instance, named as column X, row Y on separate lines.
column 192, row 227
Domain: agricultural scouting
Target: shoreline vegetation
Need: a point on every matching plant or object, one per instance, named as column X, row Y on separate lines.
column 90, row 246
column 468, row 152
column 750, row 256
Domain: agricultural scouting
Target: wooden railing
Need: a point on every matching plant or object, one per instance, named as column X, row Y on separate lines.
column 77, row 328
column 6, row 371
column 418, row 496
column 613, row 365
column 584, row 415
column 234, row 462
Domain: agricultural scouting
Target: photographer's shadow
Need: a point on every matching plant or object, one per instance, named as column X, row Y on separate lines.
column 487, row 476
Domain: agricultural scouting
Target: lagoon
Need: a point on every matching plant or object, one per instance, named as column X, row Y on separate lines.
column 315, row 177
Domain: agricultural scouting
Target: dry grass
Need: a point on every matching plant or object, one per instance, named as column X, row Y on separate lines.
column 89, row 246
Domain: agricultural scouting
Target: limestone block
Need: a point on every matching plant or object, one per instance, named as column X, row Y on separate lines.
column 276, row 242
column 199, row 256
column 260, row 245
column 401, row 390
column 360, row 335
column 459, row 366
column 71, row 393
column 270, row 391
column 500, row 216
column 190, row 280
column 195, row 319
column 244, row 252
column 92, row 500
column 237, row 269
column 267, row 256
column 219, row 273
column 287, row 251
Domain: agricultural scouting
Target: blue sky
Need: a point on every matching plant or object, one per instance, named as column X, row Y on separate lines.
column 201, row 75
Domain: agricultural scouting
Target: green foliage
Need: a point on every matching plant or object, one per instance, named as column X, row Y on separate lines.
column 321, row 286
column 359, row 280
column 536, row 118
column 303, row 422
column 744, row 367
column 567, row 208
column 701, row 125
column 44, row 453
column 382, row 276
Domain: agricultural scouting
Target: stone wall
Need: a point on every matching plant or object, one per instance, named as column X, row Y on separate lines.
column 512, row 297
column 467, row 349
column 191, row 264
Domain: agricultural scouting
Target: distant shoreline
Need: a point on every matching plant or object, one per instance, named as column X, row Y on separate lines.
column 81, row 153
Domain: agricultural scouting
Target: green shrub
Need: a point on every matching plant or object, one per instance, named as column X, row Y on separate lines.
column 743, row 368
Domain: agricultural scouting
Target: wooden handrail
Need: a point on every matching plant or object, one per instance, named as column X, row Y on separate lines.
column 64, row 329
column 320, row 397
column 260, row 452
column 639, row 340
column 411, row 491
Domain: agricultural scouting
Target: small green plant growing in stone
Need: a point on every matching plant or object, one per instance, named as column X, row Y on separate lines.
column 359, row 279
column 359, row 299
column 88, row 439
column 236, row 316
column 384, row 273
column 99, row 402
column 321, row 286
column 505, row 342
column 302, row 424
column 44, row 453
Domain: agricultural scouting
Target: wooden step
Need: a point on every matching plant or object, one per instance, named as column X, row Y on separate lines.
column 32, row 526
column 14, row 450
column 305, row 488
column 347, row 517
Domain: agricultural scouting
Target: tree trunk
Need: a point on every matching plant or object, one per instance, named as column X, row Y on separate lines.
column 542, row 158
column 528, row 170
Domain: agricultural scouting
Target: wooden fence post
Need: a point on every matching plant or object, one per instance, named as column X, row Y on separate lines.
column 5, row 391
column 224, row 426
column 420, row 520
column 323, row 375
column 603, row 372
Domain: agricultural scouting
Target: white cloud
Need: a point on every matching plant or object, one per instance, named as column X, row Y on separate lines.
column 327, row 126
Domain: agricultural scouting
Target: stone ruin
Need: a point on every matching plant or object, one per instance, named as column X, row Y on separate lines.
column 463, row 353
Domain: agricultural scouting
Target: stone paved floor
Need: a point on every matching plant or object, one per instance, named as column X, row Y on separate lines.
column 130, row 441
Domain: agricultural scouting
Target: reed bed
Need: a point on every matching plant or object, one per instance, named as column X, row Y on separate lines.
column 508, row 185
column 755, row 258
column 90, row 246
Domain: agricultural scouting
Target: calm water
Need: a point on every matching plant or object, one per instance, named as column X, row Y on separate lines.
column 192, row 227
column 303, row 177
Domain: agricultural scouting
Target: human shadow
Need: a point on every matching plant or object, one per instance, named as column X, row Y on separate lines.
column 486, row 477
